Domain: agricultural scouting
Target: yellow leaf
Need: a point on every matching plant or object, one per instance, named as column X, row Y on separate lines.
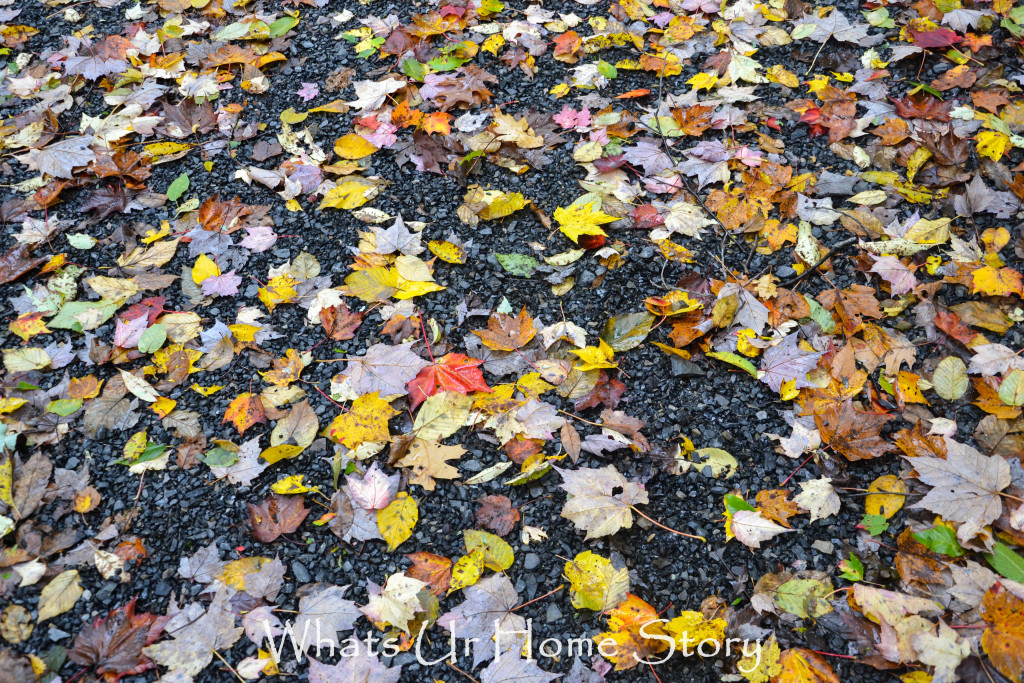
column 783, row 76
column 159, row 152
column 690, row 629
column 292, row 117
column 596, row 584
column 135, row 446
column 703, row 81
column 204, row 268
column 279, row 290
column 9, row 405
column 374, row 284
column 996, row 281
column 886, row 496
column 497, row 554
column 353, row 146
column 59, row 595
column 282, row 451
column 292, row 485
column 350, row 194
column 163, row 406
column 581, row 219
column 366, row 421
column 467, row 571
column 446, row 251
column 993, row 144
column 207, row 391
column 397, row 520
column 595, row 357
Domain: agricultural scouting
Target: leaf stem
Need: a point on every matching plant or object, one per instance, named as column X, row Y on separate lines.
column 666, row 528
column 549, row 593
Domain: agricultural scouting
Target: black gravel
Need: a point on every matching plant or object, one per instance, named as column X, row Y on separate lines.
column 177, row 511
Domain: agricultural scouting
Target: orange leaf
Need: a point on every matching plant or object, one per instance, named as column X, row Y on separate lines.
column 434, row 570
column 804, row 666
column 505, row 333
column 245, row 411
column 438, row 122
column 1003, row 640
column 996, row 281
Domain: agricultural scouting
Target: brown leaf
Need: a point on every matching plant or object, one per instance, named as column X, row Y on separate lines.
column 339, row 322
column 434, row 570
column 505, row 333
column 16, row 262
column 497, row 514
column 957, row 77
column 275, row 516
column 776, row 505
column 852, row 433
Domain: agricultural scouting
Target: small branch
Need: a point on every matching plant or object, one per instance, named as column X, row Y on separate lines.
column 452, row 666
column 666, row 528
column 828, row 254
column 230, row 668
column 549, row 593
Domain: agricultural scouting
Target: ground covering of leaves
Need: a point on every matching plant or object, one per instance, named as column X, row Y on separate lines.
column 646, row 322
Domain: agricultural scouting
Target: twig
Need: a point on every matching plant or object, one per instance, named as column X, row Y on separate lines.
column 452, row 666
column 230, row 668
column 828, row 254
column 666, row 528
column 549, row 593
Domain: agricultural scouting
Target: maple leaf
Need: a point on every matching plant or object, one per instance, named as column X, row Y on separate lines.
column 361, row 667
column 634, row 635
column 398, row 238
column 837, row 26
column 994, row 359
column 594, row 506
column 596, row 584
column 750, row 528
column 104, row 58
column 275, row 516
column 245, row 411
column 323, row 611
column 113, row 644
column 61, row 158
column 776, row 505
column 900, row 278
column 374, row 490
column 581, row 219
column 429, row 459
column 451, row 372
column 512, row 668
column 365, row 421
column 248, row 466
column 997, row 281
column 965, row 486
column 507, row 333
column 195, row 641
column 397, row 603
column 339, row 322
column 308, row 91
column 433, row 570
column 487, row 609
column 466, row 87
column 852, row 433
column 497, row 514
column 384, row 369
column 819, row 497
column 787, row 361
column 225, row 284
column 1003, row 639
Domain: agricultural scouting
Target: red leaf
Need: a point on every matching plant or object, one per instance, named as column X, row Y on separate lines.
column 113, row 644
column 940, row 37
column 453, row 372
